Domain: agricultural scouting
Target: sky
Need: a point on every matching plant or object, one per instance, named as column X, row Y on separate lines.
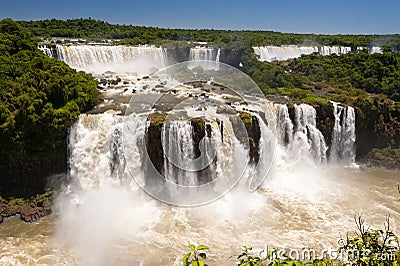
column 301, row 16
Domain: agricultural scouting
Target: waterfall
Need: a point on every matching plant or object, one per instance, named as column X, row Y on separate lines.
column 203, row 53
column 97, row 153
column 98, row 59
column 267, row 147
column 46, row 50
column 94, row 145
column 284, row 126
column 180, row 151
column 285, row 52
column 328, row 50
column 375, row 49
column 300, row 137
column 343, row 135
column 307, row 137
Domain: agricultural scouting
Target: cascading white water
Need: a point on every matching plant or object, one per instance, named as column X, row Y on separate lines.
column 218, row 55
column 98, row 59
column 328, row 50
column 301, row 137
column 307, row 139
column 95, row 149
column 99, row 201
column 375, row 50
column 180, row 148
column 343, row 135
column 46, row 50
column 204, row 53
column 284, row 52
column 106, row 219
column 284, row 126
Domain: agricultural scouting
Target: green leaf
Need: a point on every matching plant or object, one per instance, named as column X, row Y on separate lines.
column 203, row 255
column 201, row 263
column 202, row 247
column 191, row 246
column 185, row 259
column 195, row 263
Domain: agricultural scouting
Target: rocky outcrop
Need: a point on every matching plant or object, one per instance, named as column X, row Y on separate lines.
column 153, row 141
column 387, row 157
column 251, row 138
column 29, row 210
column 325, row 121
column 199, row 132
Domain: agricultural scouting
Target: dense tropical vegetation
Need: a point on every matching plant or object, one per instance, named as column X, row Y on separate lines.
column 97, row 30
column 40, row 98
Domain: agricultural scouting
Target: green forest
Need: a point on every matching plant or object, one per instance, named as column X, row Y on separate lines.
column 97, row 30
column 40, row 98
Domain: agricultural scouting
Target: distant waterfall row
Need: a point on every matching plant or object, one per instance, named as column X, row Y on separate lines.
column 285, row 52
column 140, row 59
column 122, row 58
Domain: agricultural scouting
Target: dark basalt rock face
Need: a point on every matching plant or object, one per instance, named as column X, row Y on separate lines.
column 199, row 132
column 251, row 138
column 254, row 137
column 377, row 127
column 31, row 176
column 325, row 121
column 231, row 56
column 153, row 141
column 177, row 54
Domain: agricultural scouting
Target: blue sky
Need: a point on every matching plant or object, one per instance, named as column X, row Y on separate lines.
column 336, row 16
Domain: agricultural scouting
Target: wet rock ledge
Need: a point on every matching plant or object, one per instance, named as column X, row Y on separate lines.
column 29, row 210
